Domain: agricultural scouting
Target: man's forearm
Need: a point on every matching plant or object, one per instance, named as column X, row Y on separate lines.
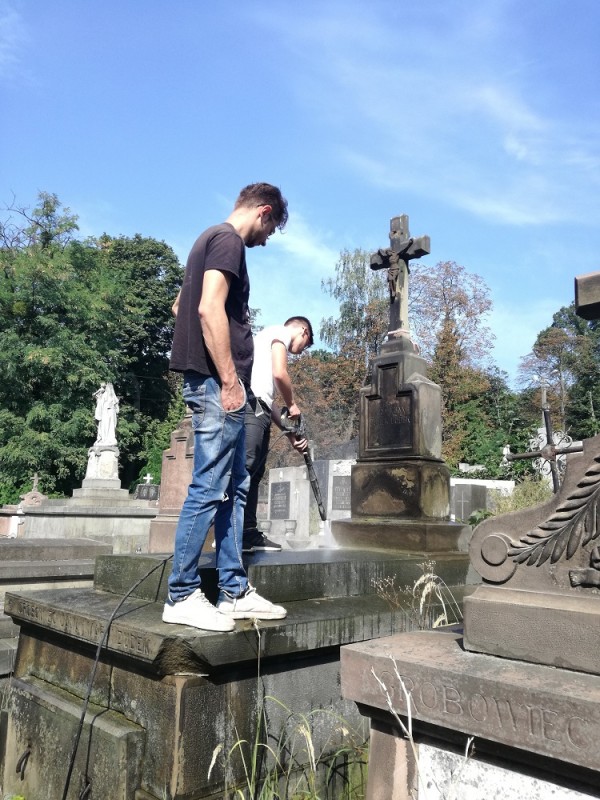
column 284, row 387
column 215, row 329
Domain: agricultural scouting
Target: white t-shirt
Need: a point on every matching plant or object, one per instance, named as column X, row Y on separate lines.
column 262, row 382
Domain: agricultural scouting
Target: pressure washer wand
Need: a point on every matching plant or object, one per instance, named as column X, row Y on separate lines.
column 296, row 426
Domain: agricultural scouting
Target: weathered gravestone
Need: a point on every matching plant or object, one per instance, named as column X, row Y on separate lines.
column 524, row 677
column 400, row 486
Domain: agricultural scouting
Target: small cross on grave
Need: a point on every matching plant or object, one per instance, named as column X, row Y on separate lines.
column 148, row 478
column 395, row 260
column 549, row 451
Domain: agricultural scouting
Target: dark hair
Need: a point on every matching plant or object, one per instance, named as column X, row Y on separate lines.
column 302, row 321
column 265, row 194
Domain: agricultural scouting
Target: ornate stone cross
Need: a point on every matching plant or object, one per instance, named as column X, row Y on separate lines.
column 396, row 260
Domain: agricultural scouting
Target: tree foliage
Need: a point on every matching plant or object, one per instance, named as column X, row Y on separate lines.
column 362, row 322
column 447, row 294
column 74, row 314
column 565, row 364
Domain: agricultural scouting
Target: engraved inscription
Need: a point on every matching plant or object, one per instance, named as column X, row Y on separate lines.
column 280, row 500
column 340, row 493
column 130, row 642
column 389, row 413
column 501, row 713
column 80, row 627
column 55, row 619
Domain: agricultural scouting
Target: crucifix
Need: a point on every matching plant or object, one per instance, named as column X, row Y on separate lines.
column 395, row 260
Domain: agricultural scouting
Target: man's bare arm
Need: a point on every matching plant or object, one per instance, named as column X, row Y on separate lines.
column 215, row 329
column 282, row 378
column 175, row 306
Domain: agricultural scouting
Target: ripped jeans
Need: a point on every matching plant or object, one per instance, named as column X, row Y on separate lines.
column 217, row 492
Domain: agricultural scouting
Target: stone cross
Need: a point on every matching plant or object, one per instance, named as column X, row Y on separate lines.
column 148, row 478
column 396, row 260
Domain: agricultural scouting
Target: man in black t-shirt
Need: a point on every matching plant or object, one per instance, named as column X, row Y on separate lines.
column 212, row 346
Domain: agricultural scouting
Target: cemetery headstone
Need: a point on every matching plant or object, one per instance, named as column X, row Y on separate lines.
column 523, row 678
column 399, row 481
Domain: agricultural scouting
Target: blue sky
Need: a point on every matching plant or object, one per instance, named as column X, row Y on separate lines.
column 480, row 120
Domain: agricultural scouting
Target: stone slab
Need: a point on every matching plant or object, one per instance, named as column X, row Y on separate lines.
column 110, row 756
column 183, row 717
column 447, row 773
column 431, row 536
column 539, row 709
column 288, row 576
column 138, row 632
column 50, row 549
column 539, row 627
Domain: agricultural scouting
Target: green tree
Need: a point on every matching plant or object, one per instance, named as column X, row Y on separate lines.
column 363, row 318
column 565, row 362
column 74, row 314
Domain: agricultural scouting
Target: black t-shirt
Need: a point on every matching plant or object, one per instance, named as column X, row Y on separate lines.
column 219, row 247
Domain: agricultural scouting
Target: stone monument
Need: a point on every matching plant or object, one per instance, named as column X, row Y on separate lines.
column 522, row 682
column 103, row 455
column 400, row 486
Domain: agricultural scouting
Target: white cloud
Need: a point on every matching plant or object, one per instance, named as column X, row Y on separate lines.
column 13, row 37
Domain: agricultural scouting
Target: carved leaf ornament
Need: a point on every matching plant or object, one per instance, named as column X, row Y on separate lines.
column 573, row 524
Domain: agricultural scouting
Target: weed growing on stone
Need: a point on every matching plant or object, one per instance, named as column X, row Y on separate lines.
column 288, row 765
column 428, row 603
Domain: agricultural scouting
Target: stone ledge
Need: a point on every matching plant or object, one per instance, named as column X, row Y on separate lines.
column 31, row 570
column 51, row 549
column 552, row 628
column 426, row 535
column 289, row 575
column 541, row 709
column 139, row 633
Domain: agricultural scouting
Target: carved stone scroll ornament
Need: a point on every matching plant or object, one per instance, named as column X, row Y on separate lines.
column 571, row 526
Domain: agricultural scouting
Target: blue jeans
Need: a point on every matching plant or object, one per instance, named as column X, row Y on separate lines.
column 217, row 492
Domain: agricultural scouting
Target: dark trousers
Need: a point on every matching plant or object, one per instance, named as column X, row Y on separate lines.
column 258, row 431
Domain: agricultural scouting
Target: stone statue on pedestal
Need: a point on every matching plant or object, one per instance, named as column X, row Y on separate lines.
column 107, row 410
column 103, row 456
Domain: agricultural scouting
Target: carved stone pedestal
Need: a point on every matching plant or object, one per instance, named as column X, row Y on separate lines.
column 540, row 601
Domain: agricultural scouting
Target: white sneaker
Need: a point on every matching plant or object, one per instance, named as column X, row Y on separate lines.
column 250, row 605
column 195, row 610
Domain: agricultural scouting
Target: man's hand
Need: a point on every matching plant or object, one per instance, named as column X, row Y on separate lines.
column 298, row 444
column 232, row 396
column 294, row 411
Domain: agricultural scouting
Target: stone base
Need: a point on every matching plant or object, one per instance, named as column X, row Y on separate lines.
column 541, row 627
column 161, row 538
column 165, row 696
column 106, row 492
column 408, row 489
column 399, row 534
column 531, row 715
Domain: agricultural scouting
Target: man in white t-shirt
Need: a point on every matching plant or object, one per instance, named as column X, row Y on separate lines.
column 269, row 375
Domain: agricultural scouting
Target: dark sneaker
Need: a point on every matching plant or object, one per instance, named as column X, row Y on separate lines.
column 257, row 542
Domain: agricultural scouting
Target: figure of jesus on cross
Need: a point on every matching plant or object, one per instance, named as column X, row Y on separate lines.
column 396, row 260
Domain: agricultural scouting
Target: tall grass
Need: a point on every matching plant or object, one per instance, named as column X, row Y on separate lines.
column 428, row 603
column 287, row 764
